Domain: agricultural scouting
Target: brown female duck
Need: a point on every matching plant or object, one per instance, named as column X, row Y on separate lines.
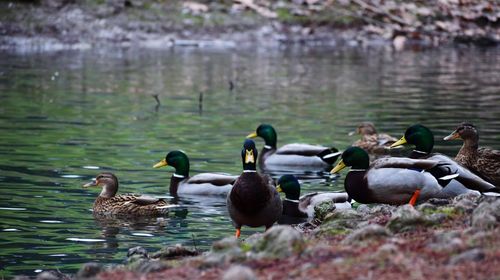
column 371, row 141
column 108, row 203
column 482, row 161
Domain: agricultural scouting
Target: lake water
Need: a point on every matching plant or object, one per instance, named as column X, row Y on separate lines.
column 66, row 116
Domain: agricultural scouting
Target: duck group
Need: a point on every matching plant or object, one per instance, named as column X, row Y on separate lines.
column 253, row 197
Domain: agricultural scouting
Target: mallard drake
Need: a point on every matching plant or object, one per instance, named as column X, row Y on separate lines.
column 423, row 140
column 199, row 184
column 482, row 161
column 371, row 141
column 295, row 205
column 253, row 201
column 108, row 203
column 294, row 156
column 388, row 180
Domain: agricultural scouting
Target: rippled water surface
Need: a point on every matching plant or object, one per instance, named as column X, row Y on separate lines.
column 66, row 116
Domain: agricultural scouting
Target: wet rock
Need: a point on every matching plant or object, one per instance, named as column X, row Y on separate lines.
column 482, row 220
column 473, row 255
column 382, row 209
column 51, row 275
column 224, row 251
column 89, row 270
column 139, row 251
column 444, row 241
column 436, row 218
column 466, row 202
column 323, row 209
column 340, row 221
column 239, row 272
column 151, row 266
column 406, row 218
column 277, row 242
column 365, row 233
column 363, row 209
column 177, row 251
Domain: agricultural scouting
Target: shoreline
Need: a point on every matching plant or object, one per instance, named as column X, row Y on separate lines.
column 52, row 25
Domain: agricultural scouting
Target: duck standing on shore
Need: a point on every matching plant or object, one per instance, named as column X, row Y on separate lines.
column 108, row 203
column 482, row 161
column 253, row 201
column 292, row 156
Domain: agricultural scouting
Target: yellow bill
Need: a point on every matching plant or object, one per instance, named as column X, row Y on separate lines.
column 278, row 188
column 252, row 135
column 341, row 165
column 161, row 163
column 249, row 157
column 398, row 143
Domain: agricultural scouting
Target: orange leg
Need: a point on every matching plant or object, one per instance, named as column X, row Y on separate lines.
column 414, row 198
column 238, row 233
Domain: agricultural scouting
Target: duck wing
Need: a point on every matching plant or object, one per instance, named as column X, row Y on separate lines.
column 400, row 162
column 212, row 178
column 313, row 199
column 301, row 149
column 465, row 176
column 397, row 185
column 488, row 164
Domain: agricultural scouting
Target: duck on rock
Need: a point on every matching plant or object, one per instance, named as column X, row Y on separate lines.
column 108, row 203
column 482, row 161
column 253, row 201
column 388, row 180
column 298, row 206
column 200, row 184
column 292, row 156
column 448, row 171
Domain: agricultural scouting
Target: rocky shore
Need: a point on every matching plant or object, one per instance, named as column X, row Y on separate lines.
column 438, row 239
column 68, row 24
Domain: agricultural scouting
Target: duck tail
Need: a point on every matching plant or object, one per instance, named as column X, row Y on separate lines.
column 330, row 155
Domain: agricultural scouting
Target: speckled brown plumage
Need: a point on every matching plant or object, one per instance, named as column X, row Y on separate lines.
column 108, row 203
column 483, row 161
column 371, row 141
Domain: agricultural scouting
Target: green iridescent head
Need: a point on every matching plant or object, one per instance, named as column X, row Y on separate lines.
column 419, row 136
column 178, row 160
column 267, row 133
column 354, row 157
column 289, row 185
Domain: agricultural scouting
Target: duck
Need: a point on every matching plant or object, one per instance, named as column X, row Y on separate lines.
column 253, row 201
column 200, row 184
column 371, row 141
column 291, row 156
column 298, row 206
column 389, row 180
column 483, row 161
column 448, row 170
column 108, row 203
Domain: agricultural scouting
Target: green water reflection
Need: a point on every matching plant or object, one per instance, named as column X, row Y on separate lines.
column 66, row 116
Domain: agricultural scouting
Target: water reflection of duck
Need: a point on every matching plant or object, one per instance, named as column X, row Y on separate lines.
column 482, row 161
column 303, row 207
column 253, row 201
column 199, row 184
column 292, row 156
column 423, row 140
column 108, row 203
column 388, row 180
column 371, row 141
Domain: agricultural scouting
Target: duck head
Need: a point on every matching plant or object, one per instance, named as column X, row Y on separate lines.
column 419, row 136
column 365, row 128
column 107, row 181
column 266, row 132
column 353, row 157
column 289, row 185
column 249, row 155
column 178, row 160
column 463, row 131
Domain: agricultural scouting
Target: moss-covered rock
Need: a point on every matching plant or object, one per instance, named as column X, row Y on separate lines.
column 368, row 232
